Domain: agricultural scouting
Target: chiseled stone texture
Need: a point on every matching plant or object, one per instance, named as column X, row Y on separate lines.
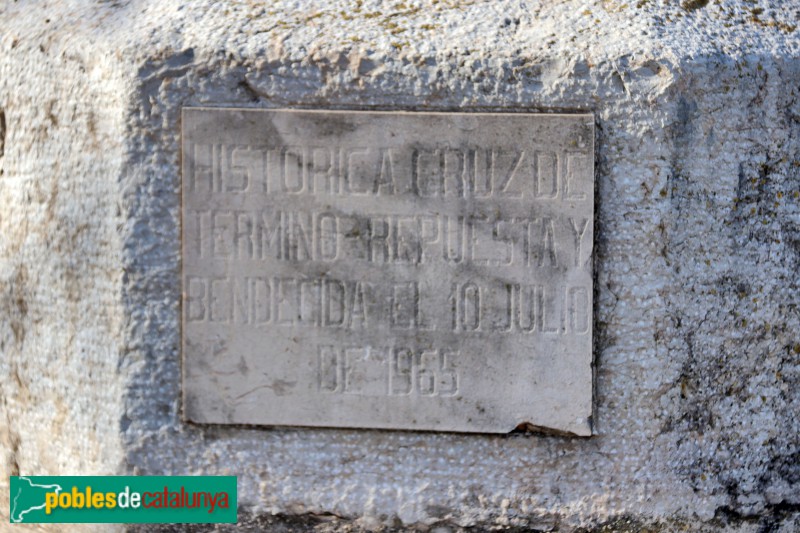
column 697, row 250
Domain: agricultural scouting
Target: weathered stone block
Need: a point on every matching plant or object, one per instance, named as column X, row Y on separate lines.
column 696, row 232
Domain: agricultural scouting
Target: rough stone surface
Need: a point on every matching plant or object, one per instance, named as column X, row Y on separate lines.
column 427, row 271
column 697, row 249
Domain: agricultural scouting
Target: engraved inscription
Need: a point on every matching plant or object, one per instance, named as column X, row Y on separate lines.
column 389, row 270
column 276, row 234
column 439, row 171
column 378, row 371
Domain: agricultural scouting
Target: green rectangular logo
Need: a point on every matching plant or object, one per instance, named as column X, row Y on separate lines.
column 123, row 499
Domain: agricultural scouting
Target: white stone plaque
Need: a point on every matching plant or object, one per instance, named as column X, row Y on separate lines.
column 427, row 271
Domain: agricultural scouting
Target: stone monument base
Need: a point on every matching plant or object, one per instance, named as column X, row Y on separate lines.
column 696, row 254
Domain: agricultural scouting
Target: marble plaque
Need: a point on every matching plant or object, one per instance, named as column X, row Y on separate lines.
column 428, row 271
